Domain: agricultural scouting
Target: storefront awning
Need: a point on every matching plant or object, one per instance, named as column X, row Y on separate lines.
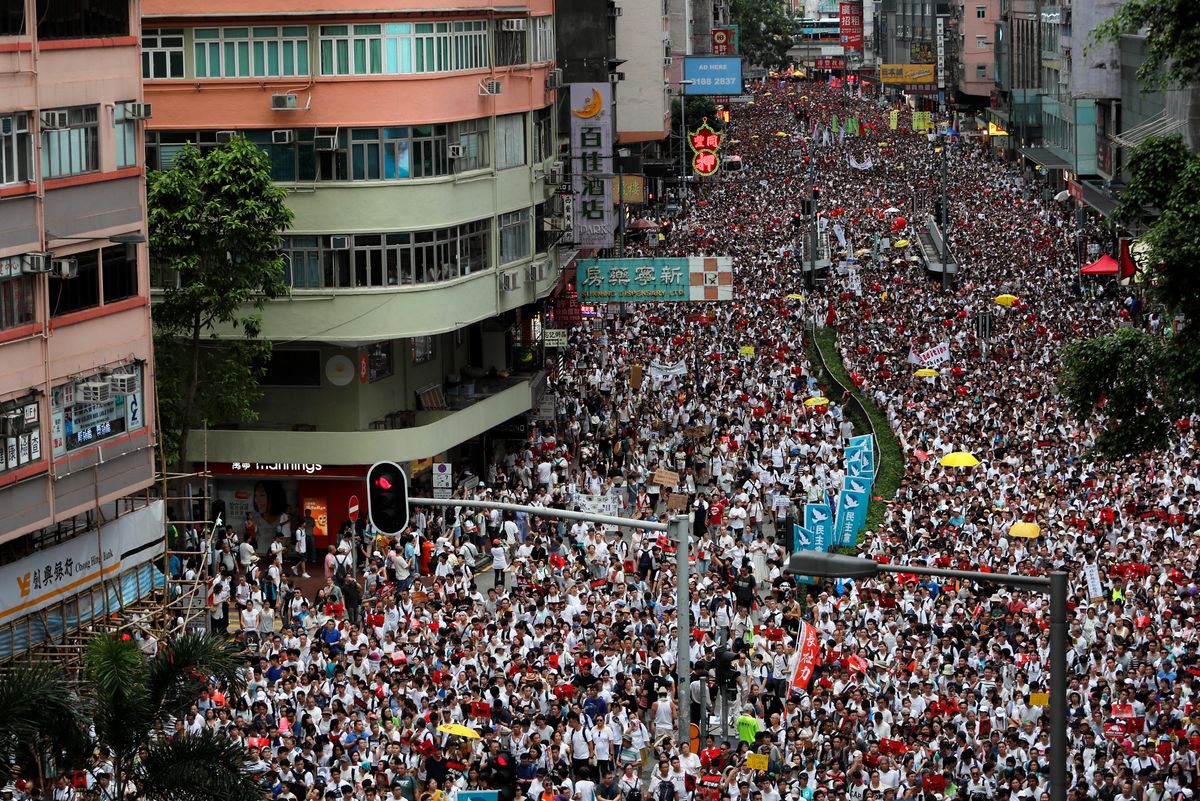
column 1046, row 157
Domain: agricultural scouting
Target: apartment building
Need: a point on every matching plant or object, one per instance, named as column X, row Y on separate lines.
column 417, row 142
column 76, row 377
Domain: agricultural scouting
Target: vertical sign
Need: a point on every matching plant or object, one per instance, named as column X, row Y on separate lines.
column 724, row 41
column 851, row 18
column 591, row 150
column 941, row 52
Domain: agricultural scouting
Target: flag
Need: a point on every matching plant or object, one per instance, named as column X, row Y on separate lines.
column 807, row 654
column 893, row 119
column 841, row 135
column 996, row 130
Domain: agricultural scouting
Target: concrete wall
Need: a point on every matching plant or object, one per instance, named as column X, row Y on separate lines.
column 971, row 56
column 642, row 107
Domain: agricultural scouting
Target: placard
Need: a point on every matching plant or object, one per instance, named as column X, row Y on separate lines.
column 757, row 761
column 554, row 337
column 677, row 502
column 665, row 478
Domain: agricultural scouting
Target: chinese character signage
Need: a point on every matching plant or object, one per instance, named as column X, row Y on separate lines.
column 705, row 143
column 725, row 41
column 941, row 52
column 712, row 75
column 694, row 278
column 906, row 73
column 851, row 14
column 591, row 154
column 832, row 63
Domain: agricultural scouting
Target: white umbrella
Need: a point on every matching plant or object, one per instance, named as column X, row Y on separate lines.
column 1063, row 195
column 891, row 210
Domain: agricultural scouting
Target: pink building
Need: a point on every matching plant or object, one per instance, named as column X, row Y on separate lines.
column 76, row 401
column 977, row 46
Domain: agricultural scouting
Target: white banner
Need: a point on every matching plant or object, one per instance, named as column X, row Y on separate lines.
column 659, row 370
column 867, row 164
column 49, row 576
column 936, row 355
column 1092, row 574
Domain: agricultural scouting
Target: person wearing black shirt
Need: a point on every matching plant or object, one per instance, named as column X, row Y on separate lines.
column 744, row 587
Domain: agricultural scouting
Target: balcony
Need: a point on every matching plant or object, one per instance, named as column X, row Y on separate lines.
column 401, row 436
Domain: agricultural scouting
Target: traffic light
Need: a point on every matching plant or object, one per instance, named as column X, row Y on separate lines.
column 727, row 671
column 387, row 497
column 797, row 220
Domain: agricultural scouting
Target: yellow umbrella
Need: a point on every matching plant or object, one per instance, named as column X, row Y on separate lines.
column 782, row 133
column 927, row 372
column 862, row 251
column 1026, row 530
column 958, row 459
column 1007, row 300
column 794, row 296
column 901, row 243
column 459, row 730
column 883, row 144
column 817, row 402
column 804, row 97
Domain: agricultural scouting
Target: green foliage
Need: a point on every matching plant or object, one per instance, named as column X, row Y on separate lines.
column 1124, row 383
column 764, row 34
column 216, row 220
column 1173, row 39
column 699, row 108
column 890, row 468
column 52, row 724
column 1154, row 167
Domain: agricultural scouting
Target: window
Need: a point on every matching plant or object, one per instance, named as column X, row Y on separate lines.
column 543, row 134
column 386, row 260
column 510, row 141
column 432, row 46
column 543, row 38
column 429, row 151
column 126, row 136
column 981, row 72
column 470, row 45
column 379, row 361
column 418, row 151
column 81, row 18
column 351, row 50
column 16, row 294
column 25, row 446
column 980, row 12
column 280, row 54
column 222, row 52
column 292, row 162
column 12, row 19
column 981, row 42
column 422, row 349
column 293, row 368
column 510, row 48
column 472, row 137
column 75, row 149
column 16, row 160
column 514, row 236
column 81, row 292
column 120, row 272
column 162, row 53
column 163, row 147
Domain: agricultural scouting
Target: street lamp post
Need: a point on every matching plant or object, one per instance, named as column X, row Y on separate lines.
column 683, row 139
column 829, row 565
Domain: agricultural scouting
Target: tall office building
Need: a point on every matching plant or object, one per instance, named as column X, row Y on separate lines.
column 76, row 384
column 417, row 142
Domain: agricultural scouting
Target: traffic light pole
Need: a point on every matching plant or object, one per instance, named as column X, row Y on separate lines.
column 677, row 529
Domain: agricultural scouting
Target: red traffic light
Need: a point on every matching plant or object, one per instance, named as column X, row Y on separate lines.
column 383, row 482
column 387, row 498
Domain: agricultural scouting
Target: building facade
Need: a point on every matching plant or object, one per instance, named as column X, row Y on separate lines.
column 976, row 48
column 76, row 377
column 419, row 151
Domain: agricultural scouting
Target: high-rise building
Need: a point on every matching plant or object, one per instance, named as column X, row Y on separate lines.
column 974, row 41
column 76, row 382
column 417, row 142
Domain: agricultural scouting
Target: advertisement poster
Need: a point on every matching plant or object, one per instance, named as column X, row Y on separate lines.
column 319, row 509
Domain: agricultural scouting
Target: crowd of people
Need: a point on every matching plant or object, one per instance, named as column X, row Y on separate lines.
column 554, row 643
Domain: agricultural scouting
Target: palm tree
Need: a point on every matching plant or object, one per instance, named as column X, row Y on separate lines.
column 52, row 722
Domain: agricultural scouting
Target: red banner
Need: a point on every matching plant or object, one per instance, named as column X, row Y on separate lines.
column 832, row 63
column 806, row 656
column 851, row 14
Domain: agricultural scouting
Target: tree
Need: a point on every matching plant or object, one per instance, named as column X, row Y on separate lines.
column 52, row 723
column 764, row 31
column 1172, row 37
column 216, row 222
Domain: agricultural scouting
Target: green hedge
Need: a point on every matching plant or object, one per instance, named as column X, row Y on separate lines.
column 890, row 468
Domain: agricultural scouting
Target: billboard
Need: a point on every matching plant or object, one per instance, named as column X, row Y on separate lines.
column 591, row 164
column 712, row 75
column 850, row 13
column 689, row 278
column 921, row 52
column 906, row 73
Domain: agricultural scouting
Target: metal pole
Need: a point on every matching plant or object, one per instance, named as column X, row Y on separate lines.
column 679, row 533
column 621, row 213
column 683, row 188
column 945, row 233
column 1058, row 686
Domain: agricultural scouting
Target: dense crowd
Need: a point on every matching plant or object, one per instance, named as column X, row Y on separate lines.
column 564, row 664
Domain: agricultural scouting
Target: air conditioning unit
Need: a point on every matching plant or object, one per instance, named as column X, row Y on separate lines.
column 491, row 87
column 98, row 390
column 55, row 120
column 513, row 25
column 138, row 111
column 64, row 268
column 283, row 137
column 510, row 281
column 287, row 102
column 325, row 144
column 339, row 242
column 225, row 137
column 554, row 79
column 537, row 271
column 124, row 383
column 455, row 151
column 554, row 177
column 12, row 424
column 35, row 263
column 531, row 272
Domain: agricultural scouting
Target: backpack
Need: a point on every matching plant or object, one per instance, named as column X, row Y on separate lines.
column 341, row 567
column 666, row 791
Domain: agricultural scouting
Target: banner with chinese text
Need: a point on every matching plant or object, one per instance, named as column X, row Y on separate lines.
column 591, row 164
column 691, row 278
